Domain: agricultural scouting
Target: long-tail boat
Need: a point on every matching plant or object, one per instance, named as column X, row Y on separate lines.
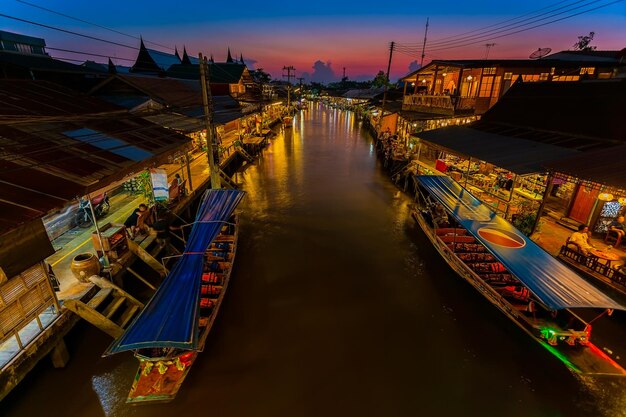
column 173, row 326
column 533, row 289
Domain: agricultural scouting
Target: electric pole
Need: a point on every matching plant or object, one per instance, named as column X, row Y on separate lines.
column 424, row 46
column 488, row 46
column 300, row 79
column 211, row 134
column 289, row 75
column 382, row 110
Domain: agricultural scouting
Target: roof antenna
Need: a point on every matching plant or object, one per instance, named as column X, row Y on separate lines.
column 488, row 46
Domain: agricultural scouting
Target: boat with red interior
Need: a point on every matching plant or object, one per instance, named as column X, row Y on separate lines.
column 533, row 289
column 174, row 325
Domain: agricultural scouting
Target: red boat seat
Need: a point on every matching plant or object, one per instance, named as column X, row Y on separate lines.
column 457, row 239
column 450, row 231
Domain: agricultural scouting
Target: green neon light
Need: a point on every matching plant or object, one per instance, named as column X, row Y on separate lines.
column 560, row 356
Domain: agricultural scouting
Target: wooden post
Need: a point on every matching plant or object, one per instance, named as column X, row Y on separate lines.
column 432, row 88
column 188, row 172
column 382, row 110
column 208, row 121
column 147, row 258
column 546, row 193
column 59, row 354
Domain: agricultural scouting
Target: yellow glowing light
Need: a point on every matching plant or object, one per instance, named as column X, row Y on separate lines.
column 621, row 200
column 605, row 197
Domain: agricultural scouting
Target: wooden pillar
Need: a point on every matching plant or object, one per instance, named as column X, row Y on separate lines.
column 59, row 354
column 188, row 172
column 432, row 87
column 459, row 81
column 546, row 193
column 404, row 92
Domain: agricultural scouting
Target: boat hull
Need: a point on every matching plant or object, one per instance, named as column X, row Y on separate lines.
column 585, row 359
column 158, row 380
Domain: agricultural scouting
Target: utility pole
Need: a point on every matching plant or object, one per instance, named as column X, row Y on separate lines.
column 300, row 79
column 382, row 110
column 289, row 75
column 211, row 134
column 423, row 46
column 488, row 46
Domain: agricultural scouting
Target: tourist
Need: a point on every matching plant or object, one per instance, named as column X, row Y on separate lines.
column 581, row 239
column 132, row 222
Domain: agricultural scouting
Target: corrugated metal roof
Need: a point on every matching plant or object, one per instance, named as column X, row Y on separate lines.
column 520, row 156
column 590, row 110
column 42, row 98
column 606, row 166
column 42, row 166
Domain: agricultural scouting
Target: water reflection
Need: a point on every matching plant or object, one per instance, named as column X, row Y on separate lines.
column 338, row 306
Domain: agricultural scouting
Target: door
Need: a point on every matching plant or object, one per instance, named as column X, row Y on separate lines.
column 583, row 204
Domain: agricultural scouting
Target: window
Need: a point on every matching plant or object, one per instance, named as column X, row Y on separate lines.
column 543, row 76
column 529, row 78
column 587, row 70
column 565, row 78
column 489, row 71
column 508, row 75
column 485, row 87
column 604, row 75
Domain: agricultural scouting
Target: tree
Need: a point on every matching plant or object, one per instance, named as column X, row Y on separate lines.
column 380, row 80
column 583, row 43
column 261, row 77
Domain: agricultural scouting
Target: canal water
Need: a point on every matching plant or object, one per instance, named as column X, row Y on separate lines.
column 338, row 306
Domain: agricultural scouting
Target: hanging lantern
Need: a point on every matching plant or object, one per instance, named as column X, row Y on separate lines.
column 605, row 197
column 621, row 200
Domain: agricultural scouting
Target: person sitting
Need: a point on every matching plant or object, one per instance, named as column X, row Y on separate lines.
column 440, row 216
column 617, row 227
column 581, row 239
column 132, row 222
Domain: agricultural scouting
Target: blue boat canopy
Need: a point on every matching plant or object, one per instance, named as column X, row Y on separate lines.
column 553, row 283
column 170, row 319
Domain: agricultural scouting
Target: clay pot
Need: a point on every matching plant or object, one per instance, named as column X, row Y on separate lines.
column 85, row 265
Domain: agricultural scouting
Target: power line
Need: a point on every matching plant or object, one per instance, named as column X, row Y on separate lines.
column 409, row 49
column 500, row 25
column 86, row 53
column 519, row 24
column 91, row 23
column 531, row 27
column 66, row 31
column 497, row 24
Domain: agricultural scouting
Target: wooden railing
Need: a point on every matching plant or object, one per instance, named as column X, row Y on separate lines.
column 593, row 263
column 432, row 104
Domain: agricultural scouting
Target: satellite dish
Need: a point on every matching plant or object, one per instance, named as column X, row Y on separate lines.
column 540, row 53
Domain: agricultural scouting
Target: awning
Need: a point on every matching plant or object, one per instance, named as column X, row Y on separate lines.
column 170, row 319
column 553, row 283
column 606, row 166
column 521, row 156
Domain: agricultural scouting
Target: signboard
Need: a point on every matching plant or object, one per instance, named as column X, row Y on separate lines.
column 160, row 187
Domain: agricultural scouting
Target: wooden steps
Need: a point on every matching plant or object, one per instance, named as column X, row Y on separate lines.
column 111, row 309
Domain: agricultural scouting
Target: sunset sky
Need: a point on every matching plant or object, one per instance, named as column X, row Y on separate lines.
column 318, row 38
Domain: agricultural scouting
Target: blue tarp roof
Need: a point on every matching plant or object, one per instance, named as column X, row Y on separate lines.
column 170, row 319
column 555, row 285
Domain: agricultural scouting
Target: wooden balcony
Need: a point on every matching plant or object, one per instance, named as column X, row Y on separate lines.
column 441, row 104
column 438, row 104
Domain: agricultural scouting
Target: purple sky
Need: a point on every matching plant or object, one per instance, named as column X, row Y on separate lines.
column 321, row 38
